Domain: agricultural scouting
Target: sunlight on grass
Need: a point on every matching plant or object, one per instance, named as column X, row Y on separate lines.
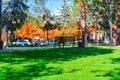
column 61, row 64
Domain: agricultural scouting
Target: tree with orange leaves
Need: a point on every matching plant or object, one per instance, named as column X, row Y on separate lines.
column 29, row 31
column 26, row 31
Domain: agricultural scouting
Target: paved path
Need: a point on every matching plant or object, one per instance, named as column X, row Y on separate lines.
column 30, row 48
column 27, row 48
column 20, row 48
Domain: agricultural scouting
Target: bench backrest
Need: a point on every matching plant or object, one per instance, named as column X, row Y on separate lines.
column 62, row 39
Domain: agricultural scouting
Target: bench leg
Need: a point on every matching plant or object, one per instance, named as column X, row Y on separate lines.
column 63, row 45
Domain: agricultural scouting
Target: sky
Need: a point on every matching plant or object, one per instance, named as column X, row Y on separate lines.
column 54, row 5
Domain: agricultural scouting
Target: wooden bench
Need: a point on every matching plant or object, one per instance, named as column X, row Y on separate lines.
column 65, row 39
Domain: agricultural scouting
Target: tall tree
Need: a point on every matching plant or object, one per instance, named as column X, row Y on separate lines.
column 107, row 9
column 64, row 12
column 1, row 43
column 47, row 18
column 64, row 18
column 14, row 15
column 0, row 17
column 83, row 4
column 110, row 15
column 38, row 7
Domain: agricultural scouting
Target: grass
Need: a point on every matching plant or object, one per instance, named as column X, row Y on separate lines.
column 61, row 64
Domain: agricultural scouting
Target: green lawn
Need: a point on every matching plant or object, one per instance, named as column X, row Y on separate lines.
column 61, row 64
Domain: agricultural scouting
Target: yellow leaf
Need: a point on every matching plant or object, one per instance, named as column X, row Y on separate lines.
column 79, row 1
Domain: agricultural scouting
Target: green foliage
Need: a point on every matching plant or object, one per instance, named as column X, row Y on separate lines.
column 75, row 1
column 38, row 7
column 36, row 20
column 113, row 16
column 98, row 2
column 48, row 25
column 118, row 23
column 14, row 11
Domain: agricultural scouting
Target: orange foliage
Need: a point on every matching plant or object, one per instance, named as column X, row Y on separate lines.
column 29, row 30
column 79, row 1
column 26, row 31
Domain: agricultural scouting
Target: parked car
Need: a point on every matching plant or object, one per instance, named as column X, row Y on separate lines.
column 22, row 42
column 43, row 43
column 52, row 41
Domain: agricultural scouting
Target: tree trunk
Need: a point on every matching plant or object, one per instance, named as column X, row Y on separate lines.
column 47, row 37
column 83, row 22
column 84, row 39
column 71, row 43
column 11, row 38
column 1, row 42
column 5, row 37
column 0, row 18
column 111, row 37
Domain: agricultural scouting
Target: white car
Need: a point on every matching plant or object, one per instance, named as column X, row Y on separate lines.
column 22, row 42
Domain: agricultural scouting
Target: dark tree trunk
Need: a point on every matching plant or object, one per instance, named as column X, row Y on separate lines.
column 0, row 18
column 12, row 38
column 83, row 38
column 83, row 23
column 47, row 37
column 1, row 43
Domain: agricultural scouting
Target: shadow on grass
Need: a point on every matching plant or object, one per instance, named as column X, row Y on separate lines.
column 25, row 65
column 28, row 72
column 115, row 60
column 114, row 74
